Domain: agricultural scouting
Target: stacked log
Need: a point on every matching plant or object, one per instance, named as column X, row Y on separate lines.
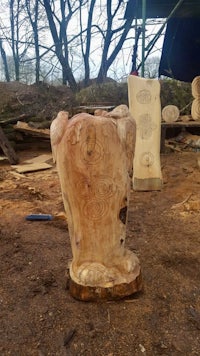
column 195, row 109
column 23, row 131
column 170, row 113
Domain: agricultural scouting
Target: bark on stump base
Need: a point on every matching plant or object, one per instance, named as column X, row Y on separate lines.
column 117, row 292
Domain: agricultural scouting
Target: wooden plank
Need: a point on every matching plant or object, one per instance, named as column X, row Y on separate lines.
column 25, row 168
column 14, row 119
column 7, row 148
column 39, row 159
column 91, row 108
column 181, row 124
column 24, row 127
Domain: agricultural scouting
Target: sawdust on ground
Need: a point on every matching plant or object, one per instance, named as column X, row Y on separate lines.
column 37, row 314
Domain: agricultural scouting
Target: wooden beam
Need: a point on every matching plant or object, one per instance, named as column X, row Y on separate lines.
column 7, row 148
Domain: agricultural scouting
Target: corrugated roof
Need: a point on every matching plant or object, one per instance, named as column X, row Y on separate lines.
column 162, row 8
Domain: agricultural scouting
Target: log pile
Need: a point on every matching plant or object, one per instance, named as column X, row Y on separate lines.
column 195, row 109
column 35, row 105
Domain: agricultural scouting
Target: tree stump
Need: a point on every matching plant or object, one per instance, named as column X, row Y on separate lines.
column 93, row 160
column 144, row 103
column 170, row 113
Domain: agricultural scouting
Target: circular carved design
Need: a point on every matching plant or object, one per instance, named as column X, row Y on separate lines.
column 143, row 96
column 103, row 187
column 99, row 186
column 147, row 159
column 91, row 152
column 95, row 209
column 146, row 126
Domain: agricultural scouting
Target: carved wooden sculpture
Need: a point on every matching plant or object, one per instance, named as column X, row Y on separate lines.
column 93, row 155
column 144, row 103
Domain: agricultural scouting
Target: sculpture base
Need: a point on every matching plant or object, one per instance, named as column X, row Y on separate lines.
column 88, row 293
column 147, row 184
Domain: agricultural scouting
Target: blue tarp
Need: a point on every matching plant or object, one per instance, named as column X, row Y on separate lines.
column 181, row 49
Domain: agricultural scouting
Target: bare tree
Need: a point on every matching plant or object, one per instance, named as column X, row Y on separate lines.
column 114, row 36
column 60, row 38
column 5, row 62
column 88, row 38
column 14, row 25
column 33, row 15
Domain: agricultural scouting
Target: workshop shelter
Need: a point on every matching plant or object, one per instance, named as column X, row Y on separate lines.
column 180, row 57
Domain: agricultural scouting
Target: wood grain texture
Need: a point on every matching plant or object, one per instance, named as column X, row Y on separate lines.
column 144, row 104
column 94, row 156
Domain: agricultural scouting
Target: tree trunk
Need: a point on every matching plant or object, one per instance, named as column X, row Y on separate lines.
column 4, row 60
column 93, row 164
column 144, row 102
column 64, row 61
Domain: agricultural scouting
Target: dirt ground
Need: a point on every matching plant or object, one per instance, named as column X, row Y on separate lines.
column 37, row 314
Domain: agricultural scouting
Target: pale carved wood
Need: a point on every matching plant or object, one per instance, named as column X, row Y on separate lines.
column 145, row 107
column 170, row 113
column 196, row 87
column 126, row 128
column 94, row 156
column 195, row 109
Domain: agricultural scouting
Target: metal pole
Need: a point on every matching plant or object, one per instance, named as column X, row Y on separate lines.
column 143, row 34
column 152, row 43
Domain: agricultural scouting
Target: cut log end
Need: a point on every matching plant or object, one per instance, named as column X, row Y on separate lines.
column 170, row 113
column 117, row 292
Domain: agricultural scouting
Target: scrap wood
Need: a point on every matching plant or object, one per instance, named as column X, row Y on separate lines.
column 7, row 148
column 3, row 158
column 61, row 216
column 175, row 206
column 14, row 119
column 25, row 168
column 172, row 147
column 25, row 128
column 18, row 175
column 39, row 159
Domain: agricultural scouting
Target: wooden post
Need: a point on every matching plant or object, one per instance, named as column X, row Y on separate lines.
column 144, row 103
column 93, row 161
column 7, row 148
